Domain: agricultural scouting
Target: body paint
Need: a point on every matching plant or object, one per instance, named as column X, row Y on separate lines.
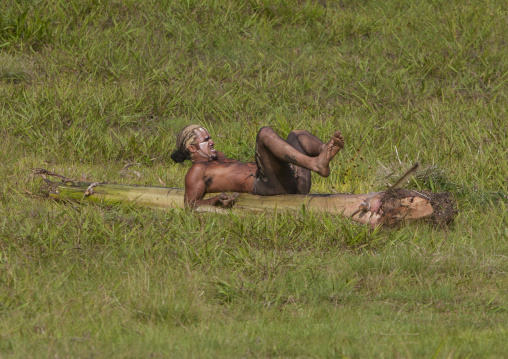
column 203, row 146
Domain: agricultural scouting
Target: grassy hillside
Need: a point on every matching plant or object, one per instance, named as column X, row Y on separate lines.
column 89, row 86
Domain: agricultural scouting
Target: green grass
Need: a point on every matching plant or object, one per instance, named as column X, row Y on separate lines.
column 89, row 86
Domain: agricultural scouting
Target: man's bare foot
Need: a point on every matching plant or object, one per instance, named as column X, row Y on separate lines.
column 328, row 152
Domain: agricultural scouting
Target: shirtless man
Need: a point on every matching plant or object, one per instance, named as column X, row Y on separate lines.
column 281, row 167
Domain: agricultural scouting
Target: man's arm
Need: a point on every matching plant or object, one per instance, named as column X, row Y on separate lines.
column 195, row 190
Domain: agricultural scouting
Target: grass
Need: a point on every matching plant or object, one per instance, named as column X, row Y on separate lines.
column 88, row 86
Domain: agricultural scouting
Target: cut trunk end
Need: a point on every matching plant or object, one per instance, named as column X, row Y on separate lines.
column 399, row 205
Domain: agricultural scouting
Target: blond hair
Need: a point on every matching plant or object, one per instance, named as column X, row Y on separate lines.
column 184, row 139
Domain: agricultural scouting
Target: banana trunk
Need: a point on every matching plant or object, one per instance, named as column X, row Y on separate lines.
column 389, row 207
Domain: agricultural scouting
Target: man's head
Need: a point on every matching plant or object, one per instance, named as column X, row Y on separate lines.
column 194, row 141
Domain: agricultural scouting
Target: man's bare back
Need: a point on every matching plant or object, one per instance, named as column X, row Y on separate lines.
column 281, row 167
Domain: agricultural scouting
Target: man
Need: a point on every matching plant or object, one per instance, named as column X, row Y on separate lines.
column 281, row 167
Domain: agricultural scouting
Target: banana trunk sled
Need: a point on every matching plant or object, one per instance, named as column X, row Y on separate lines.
column 391, row 207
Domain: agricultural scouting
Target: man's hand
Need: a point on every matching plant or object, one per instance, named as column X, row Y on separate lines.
column 227, row 200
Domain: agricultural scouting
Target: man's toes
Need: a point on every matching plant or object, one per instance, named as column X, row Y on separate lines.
column 337, row 138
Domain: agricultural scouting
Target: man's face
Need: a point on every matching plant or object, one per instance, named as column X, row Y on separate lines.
column 204, row 144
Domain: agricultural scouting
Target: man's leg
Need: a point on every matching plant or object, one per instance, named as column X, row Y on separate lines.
column 309, row 145
column 273, row 156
